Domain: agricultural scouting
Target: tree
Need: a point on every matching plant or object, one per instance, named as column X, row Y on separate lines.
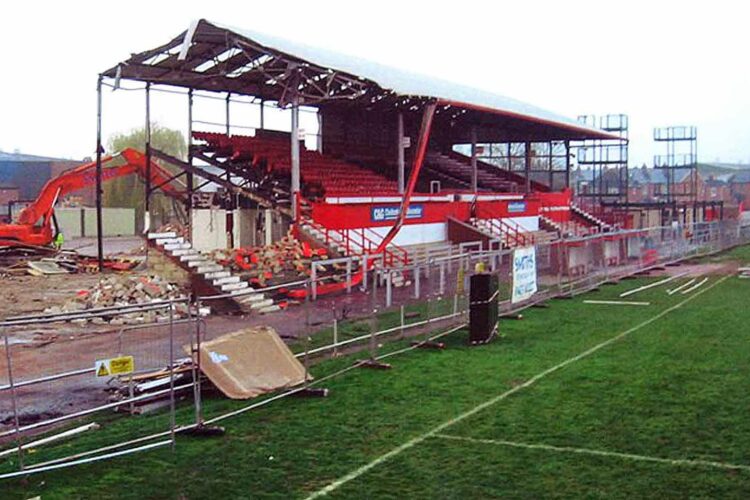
column 129, row 191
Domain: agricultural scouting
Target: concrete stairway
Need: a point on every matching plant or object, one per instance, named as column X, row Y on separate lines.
column 590, row 219
column 539, row 237
column 214, row 276
column 462, row 172
column 359, row 241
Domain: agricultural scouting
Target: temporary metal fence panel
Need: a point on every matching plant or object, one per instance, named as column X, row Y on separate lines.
column 400, row 303
column 46, row 388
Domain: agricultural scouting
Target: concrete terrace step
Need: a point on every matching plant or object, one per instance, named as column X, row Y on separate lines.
column 259, row 304
column 225, row 280
column 203, row 261
column 183, row 252
column 195, row 256
column 231, row 287
column 154, row 236
column 177, row 246
column 216, row 274
column 211, row 268
column 269, row 309
column 167, row 241
column 249, row 298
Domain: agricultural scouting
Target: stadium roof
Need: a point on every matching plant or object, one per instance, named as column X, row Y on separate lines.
column 216, row 57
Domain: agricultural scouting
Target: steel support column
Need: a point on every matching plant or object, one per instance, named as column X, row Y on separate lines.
column 228, row 208
column 295, row 158
column 147, row 212
column 262, row 117
column 527, row 166
column 400, row 149
column 99, row 150
column 474, row 173
column 189, row 175
column 567, row 164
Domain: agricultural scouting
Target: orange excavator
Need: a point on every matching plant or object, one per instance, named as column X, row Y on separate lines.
column 34, row 226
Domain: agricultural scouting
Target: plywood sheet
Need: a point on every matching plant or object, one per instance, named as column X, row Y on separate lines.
column 250, row 362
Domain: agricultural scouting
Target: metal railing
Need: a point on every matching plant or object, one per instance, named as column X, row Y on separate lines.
column 392, row 303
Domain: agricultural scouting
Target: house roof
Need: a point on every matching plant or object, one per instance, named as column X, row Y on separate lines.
column 22, row 157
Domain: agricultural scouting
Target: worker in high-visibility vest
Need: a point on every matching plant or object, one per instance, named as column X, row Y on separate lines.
column 59, row 240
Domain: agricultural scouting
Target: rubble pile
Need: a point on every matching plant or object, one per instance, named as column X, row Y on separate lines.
column 287, row 258
column 118, row 290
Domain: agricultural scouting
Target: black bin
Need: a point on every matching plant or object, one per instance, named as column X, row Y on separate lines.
column 483, row 309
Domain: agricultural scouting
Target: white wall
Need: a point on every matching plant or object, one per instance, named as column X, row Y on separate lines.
column 416, row 234
column 79, row 222
column 208, row 229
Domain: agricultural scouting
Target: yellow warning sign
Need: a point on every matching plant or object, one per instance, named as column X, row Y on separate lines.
column 121, row 365
column 102, row 370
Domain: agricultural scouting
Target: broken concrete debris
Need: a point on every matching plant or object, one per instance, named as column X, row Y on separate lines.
column 119, row 290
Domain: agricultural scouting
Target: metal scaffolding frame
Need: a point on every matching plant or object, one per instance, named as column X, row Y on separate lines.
column 606, row 159
column 681, row 155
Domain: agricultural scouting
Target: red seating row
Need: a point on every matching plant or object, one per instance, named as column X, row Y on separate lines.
column 334, row 176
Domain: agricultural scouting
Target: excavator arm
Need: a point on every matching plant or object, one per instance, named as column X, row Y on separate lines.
column 34, row 225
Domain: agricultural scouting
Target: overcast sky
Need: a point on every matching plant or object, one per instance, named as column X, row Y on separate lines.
column 660, row 62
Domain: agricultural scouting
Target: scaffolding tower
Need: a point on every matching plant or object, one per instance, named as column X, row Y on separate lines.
column 679, row 162
column 602, row 174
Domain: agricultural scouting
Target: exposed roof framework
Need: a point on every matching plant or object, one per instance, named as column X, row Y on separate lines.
column 214, row 57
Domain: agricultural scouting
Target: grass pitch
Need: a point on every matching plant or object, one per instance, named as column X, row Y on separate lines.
column 607, row 424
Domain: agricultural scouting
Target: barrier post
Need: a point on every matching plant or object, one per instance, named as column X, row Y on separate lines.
column 388, row 289
column 307, row 335
column 197, row 368
column 364, row 272
column 417, row 273
column 335, row 338
column 313, row 279
column 442, row 278
column 349, row 275
column 402, row 320
column 14, row 402
column 171, row 375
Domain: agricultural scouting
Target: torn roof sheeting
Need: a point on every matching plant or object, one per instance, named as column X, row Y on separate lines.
column 213, row 56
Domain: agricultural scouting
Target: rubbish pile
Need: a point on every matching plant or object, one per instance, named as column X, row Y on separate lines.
column 46, row 261
column 154, row 382
column 117, row 290
column 288, row 258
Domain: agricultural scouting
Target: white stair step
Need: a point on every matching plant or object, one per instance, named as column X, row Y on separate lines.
column 199, row 262
column 211, row 268
column 177, row 246
column 259, row 304
column 153, row 236
column 192, row 257
column 212, row 275
column 250, row 298
column 231, row 287
column 225, row 280
column 269, row 309
column 184, row 251
column 167, row 241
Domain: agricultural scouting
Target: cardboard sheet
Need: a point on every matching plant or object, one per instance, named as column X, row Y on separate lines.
column 250, row 362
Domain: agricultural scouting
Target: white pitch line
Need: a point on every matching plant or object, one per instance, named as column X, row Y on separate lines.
column 651, row 285
column 688, row 290
column 439, row 428
column 601, row 453
column 616, row 303
column 684, row 285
